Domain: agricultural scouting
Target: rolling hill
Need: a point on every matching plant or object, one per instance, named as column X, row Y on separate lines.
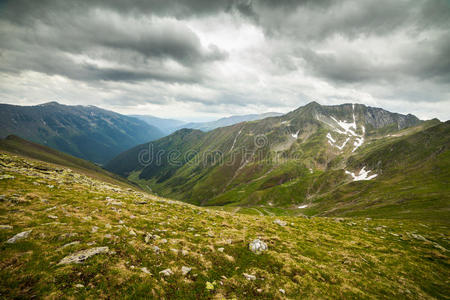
column 15, row 145
column 64, row 234
column 305, row 161
column 86, row 132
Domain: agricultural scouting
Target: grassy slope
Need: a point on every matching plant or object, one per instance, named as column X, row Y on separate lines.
column 308, row 258
column 414, row 171
column 16, row 145
column 277, row 175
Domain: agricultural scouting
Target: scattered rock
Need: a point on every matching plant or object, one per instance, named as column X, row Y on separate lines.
column 279, row 222
column 437, row 246
column 185, row 270
column 282, row 291
column 184, row 252
column 156, row 249
column 79, row 285
column 257, row 246
column 145, row 270
column 94, row 229
column 249, row 276
column 52, row 217
column 220, row 249
column 19, row 236
column 70, row 244
column 132, row 233
column 6, row 227
column 82, row 255
column 166, row 272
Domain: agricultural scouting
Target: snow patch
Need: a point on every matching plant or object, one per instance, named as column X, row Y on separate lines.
column 295, row 135
column 331, row 138
column 359, row 141
column 348, row 129
column 303, row 206
column 363, row 175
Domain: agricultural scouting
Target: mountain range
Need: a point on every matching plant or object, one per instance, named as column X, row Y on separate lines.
column 316, row 160
column 87, row 132
column 333, row 202
column 227, row 121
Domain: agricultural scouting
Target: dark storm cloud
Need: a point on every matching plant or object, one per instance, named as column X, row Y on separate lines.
column 382, row 46
column 43, row 39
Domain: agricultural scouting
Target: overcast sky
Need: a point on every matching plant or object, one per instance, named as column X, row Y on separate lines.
column 203, row 59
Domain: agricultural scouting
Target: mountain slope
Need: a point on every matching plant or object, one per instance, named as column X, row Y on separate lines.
column 288, row 161
column 227, row 121
column 67, row 235
column 167, row 126
column 87, row 132
column 18, row 146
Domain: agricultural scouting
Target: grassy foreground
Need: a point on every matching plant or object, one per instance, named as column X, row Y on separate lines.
column 145, row 235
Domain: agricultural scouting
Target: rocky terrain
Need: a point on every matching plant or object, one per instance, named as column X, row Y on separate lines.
column 64, row 234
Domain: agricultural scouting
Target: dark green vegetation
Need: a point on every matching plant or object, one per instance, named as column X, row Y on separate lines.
column 289, row 162
column 87, row 132
column 326, row 258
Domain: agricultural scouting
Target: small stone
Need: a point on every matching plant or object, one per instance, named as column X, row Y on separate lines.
column 257, row 246
column 70, row 244
column 166, row 272
column 220, row 249
column 94, row 229
column 82, row 255
column 282, row 291
column 145, row 270
column 19, row 236
column 184, row 252
column 52, row 217
column 185, row 270
column 279, row 222
column 156, row 249
column 418, row 237
column 79, row 285
column 249, row 276
column 132, row 233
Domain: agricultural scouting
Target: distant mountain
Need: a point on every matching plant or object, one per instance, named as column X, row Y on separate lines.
column 165, row 125
column 87, row 132
column 208, row 126
column 298, row 160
